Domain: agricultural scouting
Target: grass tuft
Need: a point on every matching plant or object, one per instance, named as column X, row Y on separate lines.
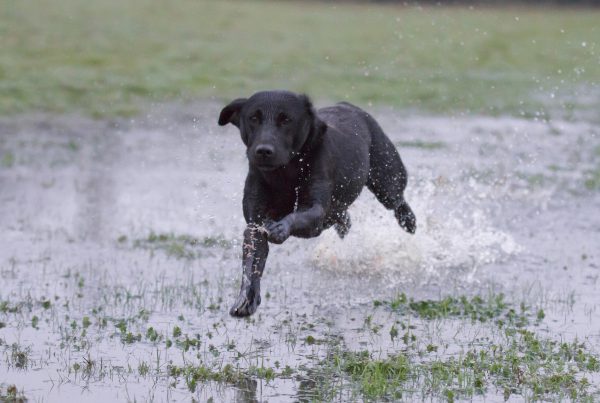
column 11, row 394
column 180, row 246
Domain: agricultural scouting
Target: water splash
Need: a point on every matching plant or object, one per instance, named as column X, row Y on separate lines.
column 459, row 241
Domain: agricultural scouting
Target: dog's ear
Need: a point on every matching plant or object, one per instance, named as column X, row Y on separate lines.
column 316, row 127
column 231, row 113
column 307, row 104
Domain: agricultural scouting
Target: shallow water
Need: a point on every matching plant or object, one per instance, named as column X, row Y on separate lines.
column 502, row 206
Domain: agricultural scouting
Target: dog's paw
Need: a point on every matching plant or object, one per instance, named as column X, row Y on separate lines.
column 245, row 304
column 406, row 218
column 278, row 231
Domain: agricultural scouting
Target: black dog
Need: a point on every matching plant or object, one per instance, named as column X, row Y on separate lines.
column 306, row 168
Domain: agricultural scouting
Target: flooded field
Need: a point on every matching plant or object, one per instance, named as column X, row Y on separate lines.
column 121, row 255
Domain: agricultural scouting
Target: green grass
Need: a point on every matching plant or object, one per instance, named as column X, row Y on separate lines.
column 514, row 361
column 507, row 352
column 525, row 365
column 11, row 394
column 377, row 378
column 8, row 159
column 592, row 182
column 192, row 375
column 592, row 176
column 425, row 145
column 511, row 361
column 477, row 309
column 110, row 57
column 179, row 246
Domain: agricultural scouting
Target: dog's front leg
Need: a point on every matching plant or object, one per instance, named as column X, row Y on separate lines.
column 307, row 221
column 254, row 251
column 302, row 223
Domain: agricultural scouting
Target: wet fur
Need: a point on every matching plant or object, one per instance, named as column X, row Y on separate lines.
column 306, row 168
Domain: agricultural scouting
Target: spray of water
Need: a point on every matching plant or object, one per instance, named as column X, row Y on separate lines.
column 447, row 241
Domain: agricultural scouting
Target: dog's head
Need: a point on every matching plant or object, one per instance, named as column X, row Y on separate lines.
column 275, row 126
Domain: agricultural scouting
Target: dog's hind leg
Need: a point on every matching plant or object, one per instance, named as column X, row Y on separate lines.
column 387, row 177
column 343, row 224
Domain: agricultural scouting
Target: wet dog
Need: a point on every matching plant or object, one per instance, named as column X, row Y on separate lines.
column 305, row 168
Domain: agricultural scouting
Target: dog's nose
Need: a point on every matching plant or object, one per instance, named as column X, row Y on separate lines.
column 264, row 150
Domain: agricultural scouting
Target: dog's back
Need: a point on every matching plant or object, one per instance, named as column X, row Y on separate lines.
column 361, row 143
column 346, row 147
column 349, row 120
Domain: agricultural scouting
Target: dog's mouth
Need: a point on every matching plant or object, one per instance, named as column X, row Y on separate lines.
column 267, row 167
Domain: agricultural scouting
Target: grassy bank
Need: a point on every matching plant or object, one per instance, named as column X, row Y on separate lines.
column 109, row 57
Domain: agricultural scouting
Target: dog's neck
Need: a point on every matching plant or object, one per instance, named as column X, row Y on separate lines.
column 289, row 175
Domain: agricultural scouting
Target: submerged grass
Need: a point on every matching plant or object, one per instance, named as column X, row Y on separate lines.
column 476, row 308
column 11, row 394
column 376, row 378
column 8, row 160
column 524, row 365
column 192, row 375
column 180, row 246
column 592, row 182
column 592, row 179
column 426, row 145
column 108, row 58
column 515, row 362
column 506, row 358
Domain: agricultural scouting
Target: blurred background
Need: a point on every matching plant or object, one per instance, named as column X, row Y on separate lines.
column 107, row 58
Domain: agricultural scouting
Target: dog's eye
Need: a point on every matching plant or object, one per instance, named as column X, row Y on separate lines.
column 283, row 119
column 254, row 118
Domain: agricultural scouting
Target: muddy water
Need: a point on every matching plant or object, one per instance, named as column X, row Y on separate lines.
column 502, row 206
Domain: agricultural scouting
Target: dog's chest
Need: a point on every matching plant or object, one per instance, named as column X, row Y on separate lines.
column 288, row 190
column 284, row 200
